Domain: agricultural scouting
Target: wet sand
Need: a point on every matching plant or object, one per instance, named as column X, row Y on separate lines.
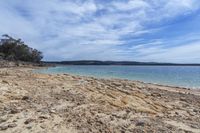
column 63, row 103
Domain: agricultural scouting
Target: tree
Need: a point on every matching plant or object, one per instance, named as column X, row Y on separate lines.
column 16, row 49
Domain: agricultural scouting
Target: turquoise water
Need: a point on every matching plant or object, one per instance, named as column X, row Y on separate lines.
column 183, row 76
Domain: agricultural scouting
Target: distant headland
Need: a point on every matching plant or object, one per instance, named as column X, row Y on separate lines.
column 97, row 62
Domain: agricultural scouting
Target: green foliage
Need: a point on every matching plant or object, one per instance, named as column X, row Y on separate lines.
column 15, row 49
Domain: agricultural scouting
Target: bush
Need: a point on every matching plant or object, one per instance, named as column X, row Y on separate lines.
column 16, row 50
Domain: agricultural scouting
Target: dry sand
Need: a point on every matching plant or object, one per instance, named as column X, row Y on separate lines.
column 63, row 103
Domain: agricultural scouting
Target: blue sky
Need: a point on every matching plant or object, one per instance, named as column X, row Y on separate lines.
column 132, row 30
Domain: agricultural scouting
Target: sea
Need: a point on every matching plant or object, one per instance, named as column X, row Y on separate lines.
column 181, row 76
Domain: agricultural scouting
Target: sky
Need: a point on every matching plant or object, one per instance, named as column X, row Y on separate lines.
column 129, row 30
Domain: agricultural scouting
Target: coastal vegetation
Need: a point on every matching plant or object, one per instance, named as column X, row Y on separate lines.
column 16, row 50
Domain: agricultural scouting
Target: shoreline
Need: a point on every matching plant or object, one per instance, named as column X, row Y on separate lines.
column 116, row 78
column 34, row 102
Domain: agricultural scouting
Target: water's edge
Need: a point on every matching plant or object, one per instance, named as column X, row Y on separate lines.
column 48, row 70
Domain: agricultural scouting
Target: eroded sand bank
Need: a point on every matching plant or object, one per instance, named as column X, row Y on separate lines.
column 63, row 103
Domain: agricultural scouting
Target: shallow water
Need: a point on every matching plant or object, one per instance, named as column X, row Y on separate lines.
column 183, row 76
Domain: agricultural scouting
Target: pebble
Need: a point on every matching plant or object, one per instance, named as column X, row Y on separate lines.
column 25, row 98
column 52, row 111
column 140, row 123
column 43, row 117
column 28, row 121
column 29, row 127
column 195, row 110
column 4, row 127
column 3, row 119
column 14, row 111
column 176, row 113
column 4, row 81
column 183, row 99
column 156, row 94
column 14, row 120
column 191, row 113
column 12, row 125
column 42, row 126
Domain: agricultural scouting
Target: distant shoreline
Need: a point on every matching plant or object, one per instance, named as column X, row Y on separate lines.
column 121, row 63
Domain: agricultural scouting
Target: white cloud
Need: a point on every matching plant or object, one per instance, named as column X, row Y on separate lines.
column 188, row 53
column 89, row 29
column 131, row 5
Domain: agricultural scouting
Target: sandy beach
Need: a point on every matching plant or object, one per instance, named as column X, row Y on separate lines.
column 62, row 103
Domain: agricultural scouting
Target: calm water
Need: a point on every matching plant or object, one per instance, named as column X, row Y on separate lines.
column 186, row 76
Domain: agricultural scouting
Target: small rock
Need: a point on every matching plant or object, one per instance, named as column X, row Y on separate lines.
column 183, row 99
column 4, row 81
column 194, row 126
column 42, row 126
column 43, row 110
column 43, row 117
column 4, row 127
column 29, row 127
column 195, row 110
column 156, row 94
column 116, row 84
column 14, row 111
column 140, row 123
column 52, row 111
column 25, row 98
column 122, row 131
column 3, row 119
column 14, row 120
column 12, row 125
column 69, row 120
column 28, row 121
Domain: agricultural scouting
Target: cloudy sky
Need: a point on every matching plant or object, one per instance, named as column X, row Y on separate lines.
column 137, row 30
